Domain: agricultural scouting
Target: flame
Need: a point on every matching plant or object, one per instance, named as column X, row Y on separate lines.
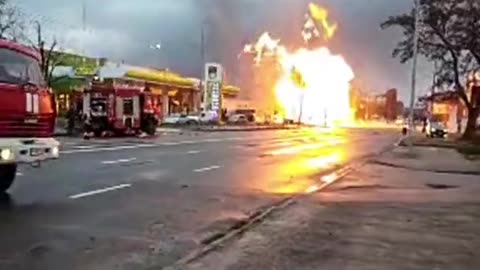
column 315, row 84
column 265, row 46
column 320, row 16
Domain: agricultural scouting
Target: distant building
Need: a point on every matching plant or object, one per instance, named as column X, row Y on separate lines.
column 391, row 112
column 375, row 107
column 447, row 108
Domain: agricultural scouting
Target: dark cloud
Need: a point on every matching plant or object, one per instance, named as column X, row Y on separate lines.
column 124, row 30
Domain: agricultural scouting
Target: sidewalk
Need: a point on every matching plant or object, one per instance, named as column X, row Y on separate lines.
column 433, row 159
column 378, row 217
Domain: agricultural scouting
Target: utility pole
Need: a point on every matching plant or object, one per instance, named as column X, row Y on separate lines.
column 434, row 86
column 414, row 73
column 202, row 65
column 84, row 15
column 300, row 114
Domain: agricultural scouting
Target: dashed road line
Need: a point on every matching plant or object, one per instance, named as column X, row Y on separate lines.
column 125, row 160
column 205, row 169
column 98, row 191
column 84, row 146
column 193, row 152
column 100, row 149
column 103, row 148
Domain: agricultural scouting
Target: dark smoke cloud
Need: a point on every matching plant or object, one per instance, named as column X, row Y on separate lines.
column 124, row 30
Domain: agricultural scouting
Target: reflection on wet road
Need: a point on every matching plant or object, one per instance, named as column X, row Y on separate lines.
column 113, row 204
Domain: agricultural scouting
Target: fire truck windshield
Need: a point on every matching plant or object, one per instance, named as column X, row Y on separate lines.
column 17, row 68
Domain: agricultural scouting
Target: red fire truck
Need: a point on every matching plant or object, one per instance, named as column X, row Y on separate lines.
column 27, row 112
column 119, row 109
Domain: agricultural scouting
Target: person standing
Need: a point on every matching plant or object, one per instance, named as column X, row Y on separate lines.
column 70, row 120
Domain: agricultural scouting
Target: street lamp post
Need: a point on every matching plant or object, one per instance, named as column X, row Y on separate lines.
column 300, row 114
column 414, row 73
column 202, row 65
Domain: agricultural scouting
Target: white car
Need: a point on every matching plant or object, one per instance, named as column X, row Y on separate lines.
column 436, row 130
column 181, row 119
column 238, row 119
column 209, row 117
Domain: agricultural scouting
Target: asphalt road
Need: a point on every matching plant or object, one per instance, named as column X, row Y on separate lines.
column 145, row 203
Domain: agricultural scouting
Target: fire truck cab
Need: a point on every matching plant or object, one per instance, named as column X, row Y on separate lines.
column 27, row 112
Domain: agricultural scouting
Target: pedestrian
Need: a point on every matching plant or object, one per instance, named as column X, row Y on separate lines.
column 70, row 120
column 87, row 127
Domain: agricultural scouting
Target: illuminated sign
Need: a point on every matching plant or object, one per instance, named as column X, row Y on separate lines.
column 213, row 87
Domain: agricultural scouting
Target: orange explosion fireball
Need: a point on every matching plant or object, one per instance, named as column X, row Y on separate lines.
column 315, row 84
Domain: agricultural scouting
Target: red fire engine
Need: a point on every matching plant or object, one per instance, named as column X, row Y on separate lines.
column 27, row 112
column 120, row 109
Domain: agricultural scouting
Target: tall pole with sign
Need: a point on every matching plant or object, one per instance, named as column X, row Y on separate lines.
column 213, row 88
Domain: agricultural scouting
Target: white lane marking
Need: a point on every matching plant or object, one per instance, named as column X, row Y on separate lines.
column 235, row 139
column 84, row 147
column 19, row 174
column 207, row 169
column 98, row 191
column 115, row 148
column 69, row 143
column 192, row 152
column 189, row 142
column 213, row 140
column 170, row 143
column 119, row 161
column 126, row 147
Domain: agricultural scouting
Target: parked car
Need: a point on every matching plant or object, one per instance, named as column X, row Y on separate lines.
column 181, row 119
column 209, row 117
column 436, row 130
column 238, row 119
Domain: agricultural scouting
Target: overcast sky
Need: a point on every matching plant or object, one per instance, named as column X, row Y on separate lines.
column 125, row 29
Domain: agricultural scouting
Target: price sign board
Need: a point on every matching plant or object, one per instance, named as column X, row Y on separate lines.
column 213, row 87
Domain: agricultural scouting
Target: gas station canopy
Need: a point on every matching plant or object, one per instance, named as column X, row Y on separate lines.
column 162, row 77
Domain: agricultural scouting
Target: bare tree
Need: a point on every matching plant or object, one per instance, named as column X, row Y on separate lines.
column 49, row 56
column 10, row 20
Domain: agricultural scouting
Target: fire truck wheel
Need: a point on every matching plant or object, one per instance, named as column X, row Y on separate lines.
column 7, row 175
